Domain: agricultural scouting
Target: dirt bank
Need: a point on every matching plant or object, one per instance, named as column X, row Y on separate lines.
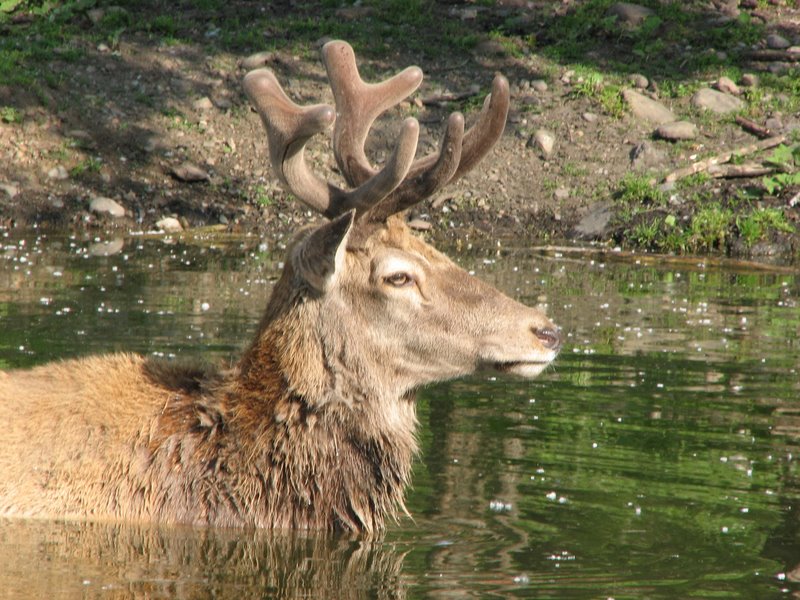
column 104, row 102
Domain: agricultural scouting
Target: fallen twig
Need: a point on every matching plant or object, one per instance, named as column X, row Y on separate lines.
column 441, row 99
column 753, row 127
column 745, row 170
column 703, row 165
column 774, row 55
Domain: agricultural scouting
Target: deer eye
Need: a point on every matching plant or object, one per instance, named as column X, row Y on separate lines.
column 399, row 279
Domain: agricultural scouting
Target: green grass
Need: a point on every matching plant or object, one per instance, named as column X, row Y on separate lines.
column 638, row 190
column 10, row 114
column 710, row 228
column 594, row 85
column 88, row 165
column 756, row 225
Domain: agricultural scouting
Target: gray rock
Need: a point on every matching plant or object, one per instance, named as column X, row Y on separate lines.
column 150, row 144
column 629, row 15
column 561, row 193
column 169, row 225
column 222, row 102
column 777, row 42
column 9, row 189
column 544, row 141
column 189, row 172
column 717, row 102
column 257, row 60
column 490, row 47
column 58, row 172
column 107, row 248
column 95, row 15
column 727, row 86
column 779, row 68
column 595, row 224
column 646, row 156
column 639, row 81
column 203, row 104
column 106, row 206
column 677, row 130
column 539, row 86
column 646, row 108
column 589, row 117
column 749, row 80
column 774, row 124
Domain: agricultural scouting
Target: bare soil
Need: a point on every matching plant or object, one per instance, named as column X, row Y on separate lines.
column 119, row 120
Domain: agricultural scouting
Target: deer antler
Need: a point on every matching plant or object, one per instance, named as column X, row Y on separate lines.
column 403, row 181
column 289, row 127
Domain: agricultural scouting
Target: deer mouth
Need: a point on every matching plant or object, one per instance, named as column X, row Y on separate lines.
column 526, row 369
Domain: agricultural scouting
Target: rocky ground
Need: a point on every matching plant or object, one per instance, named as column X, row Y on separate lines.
column 669, row 127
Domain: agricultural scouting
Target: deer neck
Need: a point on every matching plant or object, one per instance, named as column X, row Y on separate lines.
column 342, row 452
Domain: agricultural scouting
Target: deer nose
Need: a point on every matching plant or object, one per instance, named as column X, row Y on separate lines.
column 548, row 337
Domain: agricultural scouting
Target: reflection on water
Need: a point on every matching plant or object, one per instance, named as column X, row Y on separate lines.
column 656, row 459
column 72, row 560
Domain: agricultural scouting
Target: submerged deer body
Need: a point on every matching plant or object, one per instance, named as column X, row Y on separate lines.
column 315, row 426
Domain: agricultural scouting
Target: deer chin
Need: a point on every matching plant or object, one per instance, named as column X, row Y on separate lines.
column 526, row 369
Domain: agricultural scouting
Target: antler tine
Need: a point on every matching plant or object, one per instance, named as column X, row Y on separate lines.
column 289, row 127
column 488, row 128
column 358, row 104
column 428, row 174
column 431, row 173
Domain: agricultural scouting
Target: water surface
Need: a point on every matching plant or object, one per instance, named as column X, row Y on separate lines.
column 656, row 459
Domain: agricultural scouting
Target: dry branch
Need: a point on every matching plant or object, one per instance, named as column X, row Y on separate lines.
column 744, row 170
column 774, row 55
column 706, row 163
column 753, row 127
column 442, row 99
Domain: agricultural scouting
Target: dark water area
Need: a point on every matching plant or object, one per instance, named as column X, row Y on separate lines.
column 657, row 458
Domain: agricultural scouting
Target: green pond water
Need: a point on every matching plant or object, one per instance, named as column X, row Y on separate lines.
column 656, row 459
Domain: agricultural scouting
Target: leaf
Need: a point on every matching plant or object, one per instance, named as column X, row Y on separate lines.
column 781, row 156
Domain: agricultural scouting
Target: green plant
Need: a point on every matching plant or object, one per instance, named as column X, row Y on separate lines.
column 262, row 196
column 710, row 228
column 589, row 85
column 88, row 165
column 638, row 189
column 10, row 114
column 754, row 226
column 775, row 183
column 645, row 234
column 787, row 160
column 164, row 24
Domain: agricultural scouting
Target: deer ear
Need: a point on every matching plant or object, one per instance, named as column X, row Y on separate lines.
column 319, row 258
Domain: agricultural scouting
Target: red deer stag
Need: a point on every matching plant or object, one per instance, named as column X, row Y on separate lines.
column 315, row 426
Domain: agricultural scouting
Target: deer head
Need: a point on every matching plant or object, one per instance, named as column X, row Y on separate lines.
column 396, row 311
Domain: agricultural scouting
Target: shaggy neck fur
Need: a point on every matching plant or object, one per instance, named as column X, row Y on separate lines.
column 339, row 451
column 309, row 450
